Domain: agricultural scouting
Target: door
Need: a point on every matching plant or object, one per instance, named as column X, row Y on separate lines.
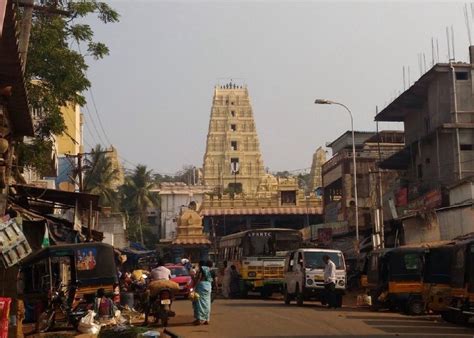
column 289, row 274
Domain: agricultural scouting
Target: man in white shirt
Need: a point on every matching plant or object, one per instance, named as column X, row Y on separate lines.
column 161, row 272
column 330, row 282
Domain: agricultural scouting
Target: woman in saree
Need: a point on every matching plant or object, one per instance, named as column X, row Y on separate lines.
column 203, row 287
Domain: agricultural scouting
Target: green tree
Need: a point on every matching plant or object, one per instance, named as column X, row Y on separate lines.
column 55, row 72
column 100, row 178
column 137, row 196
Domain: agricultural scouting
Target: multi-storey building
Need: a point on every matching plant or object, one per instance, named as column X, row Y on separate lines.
column 232, row 161
column 438, row 115
column 338, row 174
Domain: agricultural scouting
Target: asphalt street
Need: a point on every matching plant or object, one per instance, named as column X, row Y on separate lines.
column 271, row 318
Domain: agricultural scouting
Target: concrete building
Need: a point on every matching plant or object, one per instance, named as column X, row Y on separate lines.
column 232, row 161
column 69, row 143
column 113, row 226
column 437, row 112
column 338, row 173
column 175, row 196
column 437, row 163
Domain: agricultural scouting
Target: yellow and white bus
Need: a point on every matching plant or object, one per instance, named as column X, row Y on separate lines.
column 259, row 256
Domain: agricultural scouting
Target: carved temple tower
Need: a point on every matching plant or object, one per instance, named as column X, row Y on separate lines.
column 232, row 161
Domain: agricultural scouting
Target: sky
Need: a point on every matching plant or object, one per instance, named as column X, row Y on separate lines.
column 153, row 93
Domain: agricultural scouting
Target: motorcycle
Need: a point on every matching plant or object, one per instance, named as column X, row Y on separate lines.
column 60, row 307
column 159, row 307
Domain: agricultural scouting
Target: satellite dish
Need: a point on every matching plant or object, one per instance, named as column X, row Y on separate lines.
column 67, row 186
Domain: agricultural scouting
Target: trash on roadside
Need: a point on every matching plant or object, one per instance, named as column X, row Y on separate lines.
column 152, row 334
column 364, row 300
column 87, row 324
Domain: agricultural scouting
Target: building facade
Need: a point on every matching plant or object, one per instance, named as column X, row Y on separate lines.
column 232, row 161
column 338, row 174
column 433, row 198
column 173, row 198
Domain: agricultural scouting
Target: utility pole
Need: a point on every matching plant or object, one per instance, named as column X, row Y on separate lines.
column 26, row 23
column 80, row 157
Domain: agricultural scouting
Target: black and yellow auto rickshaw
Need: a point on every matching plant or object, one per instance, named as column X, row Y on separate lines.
column 437, row 277
column 394, row 278
column 78, row 270
column 461, row 301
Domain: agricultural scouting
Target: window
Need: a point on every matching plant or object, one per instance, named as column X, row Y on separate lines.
column 232, row 103
column 232, row 112
column 235, row 188
column 465, row 146
column 288, row 197
column 234, row 165
column 427, row 160
column 233, row 145
column 420, row 171
column 462, row 76
column 233, row 127
column 314, row 259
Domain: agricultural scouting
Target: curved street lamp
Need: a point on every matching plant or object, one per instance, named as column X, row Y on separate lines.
column 323, row 101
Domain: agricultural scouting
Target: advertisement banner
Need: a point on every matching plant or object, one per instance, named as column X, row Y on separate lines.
column 325, row 236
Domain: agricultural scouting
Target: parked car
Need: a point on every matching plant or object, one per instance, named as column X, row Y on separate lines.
column 180, row 275
column 304, row 270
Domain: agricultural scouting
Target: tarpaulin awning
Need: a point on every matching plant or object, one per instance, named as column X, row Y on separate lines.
column 84, row 200
column 262, row 211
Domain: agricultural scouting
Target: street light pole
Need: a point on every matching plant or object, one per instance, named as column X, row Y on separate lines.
column 322, row 101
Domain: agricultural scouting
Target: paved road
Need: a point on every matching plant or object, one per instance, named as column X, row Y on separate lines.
column 271, row 318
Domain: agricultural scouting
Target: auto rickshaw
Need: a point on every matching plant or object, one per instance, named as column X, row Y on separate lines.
column 78, row 269
column 437, row 277
column 461, row 306
column 394, row 278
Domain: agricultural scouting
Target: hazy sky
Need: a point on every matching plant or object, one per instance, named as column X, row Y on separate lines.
column 154, row 91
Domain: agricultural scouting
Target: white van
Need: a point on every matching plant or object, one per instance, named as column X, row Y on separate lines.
column 304, row 275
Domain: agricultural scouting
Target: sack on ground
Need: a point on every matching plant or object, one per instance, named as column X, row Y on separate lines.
column 87, row 324
column 156, row 285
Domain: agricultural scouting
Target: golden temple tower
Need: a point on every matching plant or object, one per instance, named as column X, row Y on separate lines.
column 232, row 161
column 316, row 177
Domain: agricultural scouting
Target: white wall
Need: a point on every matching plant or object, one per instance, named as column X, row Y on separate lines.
column 462, row 193
column 456, row 222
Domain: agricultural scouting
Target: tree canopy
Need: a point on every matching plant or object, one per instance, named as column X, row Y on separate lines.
column 56, row 69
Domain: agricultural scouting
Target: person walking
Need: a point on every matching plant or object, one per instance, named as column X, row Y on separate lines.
column 234, row 288
column 330, row 282
column 226, row 280
column 203, row 287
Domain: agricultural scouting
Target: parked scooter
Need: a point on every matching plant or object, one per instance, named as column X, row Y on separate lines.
column 60, row 309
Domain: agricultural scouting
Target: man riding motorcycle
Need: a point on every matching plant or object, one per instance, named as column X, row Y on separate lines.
column 160, row 282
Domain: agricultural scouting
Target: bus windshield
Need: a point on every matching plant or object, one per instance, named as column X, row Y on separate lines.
column 314, row 259
column 266, row 243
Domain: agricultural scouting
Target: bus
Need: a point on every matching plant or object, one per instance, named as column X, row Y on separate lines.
column 259, row 256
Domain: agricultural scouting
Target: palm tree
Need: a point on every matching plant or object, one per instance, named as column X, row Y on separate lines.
column 101, row 177
column 137, row 196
